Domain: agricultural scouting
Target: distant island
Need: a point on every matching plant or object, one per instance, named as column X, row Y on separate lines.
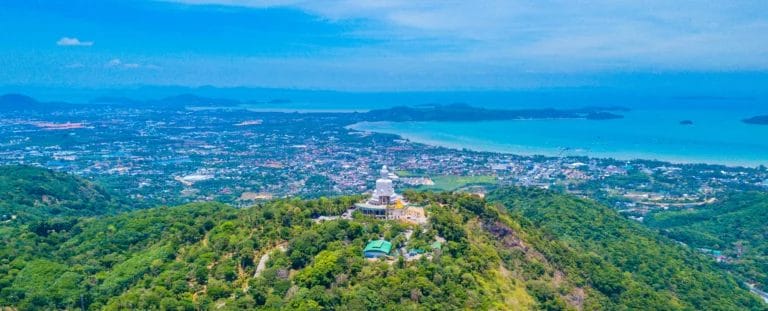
column 20, row 102
column 760, row 120
column 432, row 112
column 464, row 112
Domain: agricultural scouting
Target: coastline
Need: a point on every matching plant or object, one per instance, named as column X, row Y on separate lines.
column 472, row 144
column 716, row 137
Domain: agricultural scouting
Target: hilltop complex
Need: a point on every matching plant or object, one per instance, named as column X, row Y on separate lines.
column 385, row 203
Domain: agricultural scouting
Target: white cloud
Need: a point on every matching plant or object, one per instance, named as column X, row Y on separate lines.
column 118, row 63
column 67, row 41
column 568, row 35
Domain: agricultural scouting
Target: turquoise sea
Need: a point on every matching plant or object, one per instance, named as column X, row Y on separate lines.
column 651, row 129
column 717, row 136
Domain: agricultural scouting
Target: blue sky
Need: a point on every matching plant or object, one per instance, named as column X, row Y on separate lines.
column 379, row 45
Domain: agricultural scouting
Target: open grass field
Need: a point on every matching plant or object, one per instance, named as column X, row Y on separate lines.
column 451, row 182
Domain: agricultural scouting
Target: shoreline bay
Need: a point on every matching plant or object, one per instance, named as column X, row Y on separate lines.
column 646, row 135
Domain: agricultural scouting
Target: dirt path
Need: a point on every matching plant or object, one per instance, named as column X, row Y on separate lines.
column 264, row 258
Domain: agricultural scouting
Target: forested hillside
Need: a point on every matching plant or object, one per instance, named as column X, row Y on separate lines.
column 522, row 249
column 33, row 194
column 625, row 261
column 207, row 255
column 736, row 228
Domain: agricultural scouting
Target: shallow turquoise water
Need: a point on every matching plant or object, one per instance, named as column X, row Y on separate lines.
column 717, row 136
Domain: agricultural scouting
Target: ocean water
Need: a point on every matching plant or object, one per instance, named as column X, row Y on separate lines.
column 650, row 130
column 717, row 135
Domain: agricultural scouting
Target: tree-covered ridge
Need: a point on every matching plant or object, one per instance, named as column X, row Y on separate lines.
column 737, row 227
column 464, row 112
column 32, row 193
column 634, row 266
column 277, row 255
column 207, row 255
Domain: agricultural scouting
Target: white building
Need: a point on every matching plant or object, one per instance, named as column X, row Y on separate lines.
column 385, row 203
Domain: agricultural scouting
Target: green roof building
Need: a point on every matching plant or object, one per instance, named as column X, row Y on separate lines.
column 376, row 249
column 437, row 245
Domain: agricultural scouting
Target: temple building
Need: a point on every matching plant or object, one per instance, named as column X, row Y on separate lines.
column 384, row 194
column 385, row 203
